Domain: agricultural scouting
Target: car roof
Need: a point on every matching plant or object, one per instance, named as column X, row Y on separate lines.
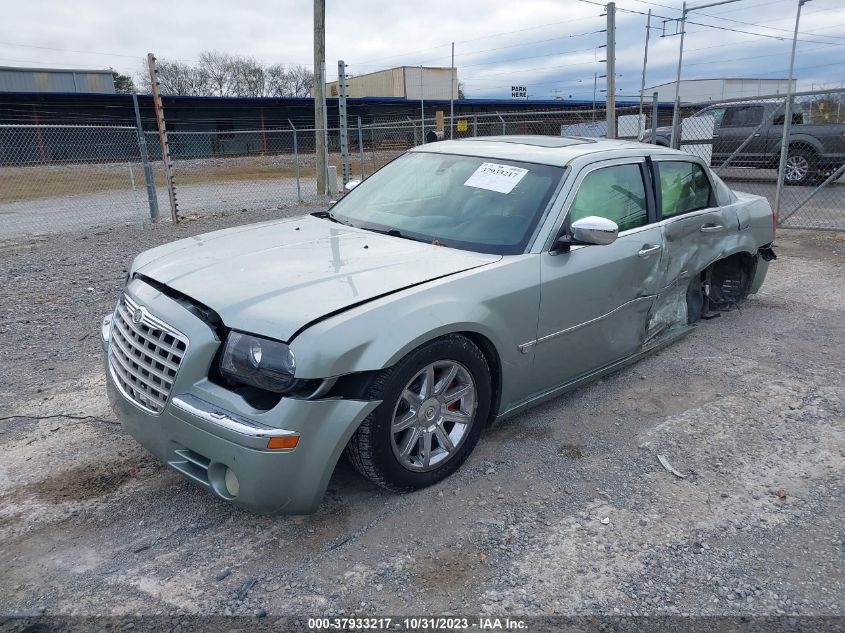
column 545, row 150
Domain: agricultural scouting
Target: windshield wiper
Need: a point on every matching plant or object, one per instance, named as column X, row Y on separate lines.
column 327, row 215
column 398, row 233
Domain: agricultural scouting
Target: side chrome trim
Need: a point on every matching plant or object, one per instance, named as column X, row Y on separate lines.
column 590, row 376
column 216, row 416
column 525, row 347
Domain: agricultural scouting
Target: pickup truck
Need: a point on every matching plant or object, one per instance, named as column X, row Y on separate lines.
column 815, row 150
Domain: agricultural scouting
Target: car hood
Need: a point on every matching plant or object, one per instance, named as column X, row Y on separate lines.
column 276, row 277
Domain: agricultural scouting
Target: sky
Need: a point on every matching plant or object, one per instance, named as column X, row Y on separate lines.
column 554, row 47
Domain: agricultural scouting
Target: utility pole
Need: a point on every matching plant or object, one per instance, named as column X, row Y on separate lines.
column 611, row 69
column 318, row 91
column 162, row 137
column 595, row 83
column 452, row 97
column 642, row 82
column 676, row 131
column 341, row 106
column 787, row 114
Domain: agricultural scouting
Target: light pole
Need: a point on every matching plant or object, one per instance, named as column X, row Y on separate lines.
column 676, row 136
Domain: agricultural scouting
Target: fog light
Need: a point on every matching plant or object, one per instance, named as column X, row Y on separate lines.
column 233, row 487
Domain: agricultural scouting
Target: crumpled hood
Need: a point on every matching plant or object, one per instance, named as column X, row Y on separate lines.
column 275, row 277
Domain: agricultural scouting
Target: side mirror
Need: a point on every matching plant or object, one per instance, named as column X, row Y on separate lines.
column 591, row 230
column 349, row 186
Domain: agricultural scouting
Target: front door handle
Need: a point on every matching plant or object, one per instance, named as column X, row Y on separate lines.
column 648, row 250
column 711, row 228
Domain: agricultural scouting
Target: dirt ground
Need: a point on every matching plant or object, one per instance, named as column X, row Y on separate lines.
column 562, row 510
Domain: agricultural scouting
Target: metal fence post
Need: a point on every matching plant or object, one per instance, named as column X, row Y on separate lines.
column 145, row 161
column 162, row 135
column 475, row 125
column 361, row 148
column 504, row 125
column 654, row 118
column 296, row 163
column 341, row 106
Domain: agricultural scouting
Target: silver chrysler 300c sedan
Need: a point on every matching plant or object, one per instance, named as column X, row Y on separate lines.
column 461, row 283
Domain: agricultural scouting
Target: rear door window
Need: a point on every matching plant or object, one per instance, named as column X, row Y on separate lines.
column 684, row 187
column 743, row 116
column 716, row 113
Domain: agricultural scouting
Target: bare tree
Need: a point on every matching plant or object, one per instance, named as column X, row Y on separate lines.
column 219, row 68
column 176, row 78
column 224, row 75
column 248, row 77
column 294, row 81
column 277, row 78
column 300, row 80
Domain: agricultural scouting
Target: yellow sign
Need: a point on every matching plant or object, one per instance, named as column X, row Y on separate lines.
column 462, row 125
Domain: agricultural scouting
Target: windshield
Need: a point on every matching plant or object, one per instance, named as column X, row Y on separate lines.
column 478, row 204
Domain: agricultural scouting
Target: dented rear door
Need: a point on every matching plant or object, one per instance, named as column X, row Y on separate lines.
column 694, row 229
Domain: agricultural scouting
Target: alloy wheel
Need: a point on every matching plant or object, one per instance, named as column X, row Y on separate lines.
column 433, row 415
column 796, row 168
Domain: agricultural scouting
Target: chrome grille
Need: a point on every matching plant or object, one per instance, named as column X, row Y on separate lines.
column 144, row 355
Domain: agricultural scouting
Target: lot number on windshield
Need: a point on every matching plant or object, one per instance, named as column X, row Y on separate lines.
column 495, row 177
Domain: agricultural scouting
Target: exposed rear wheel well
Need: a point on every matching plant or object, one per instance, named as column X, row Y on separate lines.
column 721, row 286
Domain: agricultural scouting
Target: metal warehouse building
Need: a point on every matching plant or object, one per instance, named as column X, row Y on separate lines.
column 410, row 82
column 706, row 90
column 56, row 80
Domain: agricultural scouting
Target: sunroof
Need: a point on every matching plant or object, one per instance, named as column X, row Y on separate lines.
column 538, row 141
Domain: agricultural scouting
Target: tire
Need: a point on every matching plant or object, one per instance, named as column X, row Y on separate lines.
column 379, row 449
column 801, row 166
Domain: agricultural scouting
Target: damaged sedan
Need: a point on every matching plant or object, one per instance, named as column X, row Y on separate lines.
column 462, row 283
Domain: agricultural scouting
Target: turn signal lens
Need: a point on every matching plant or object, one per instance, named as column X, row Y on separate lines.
column 284, row 441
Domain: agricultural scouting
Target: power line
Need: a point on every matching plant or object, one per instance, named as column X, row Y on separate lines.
column 710, row 26
column 475, row 39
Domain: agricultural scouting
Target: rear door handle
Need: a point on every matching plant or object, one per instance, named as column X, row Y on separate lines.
column 648, row 250
column 711, row 228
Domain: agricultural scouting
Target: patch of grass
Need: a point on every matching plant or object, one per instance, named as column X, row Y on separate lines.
column 19, row 184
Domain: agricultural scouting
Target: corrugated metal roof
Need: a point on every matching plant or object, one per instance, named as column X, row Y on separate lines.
column 55, row 80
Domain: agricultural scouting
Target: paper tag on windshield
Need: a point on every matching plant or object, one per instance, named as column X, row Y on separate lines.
column 496, row 177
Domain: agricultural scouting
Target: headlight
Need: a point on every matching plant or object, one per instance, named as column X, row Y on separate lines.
column 259, row 362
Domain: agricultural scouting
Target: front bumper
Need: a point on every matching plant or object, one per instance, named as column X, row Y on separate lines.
column 205, row 429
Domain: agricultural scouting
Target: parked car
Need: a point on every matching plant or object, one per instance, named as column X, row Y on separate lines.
column 815, row 149
column 462, row 283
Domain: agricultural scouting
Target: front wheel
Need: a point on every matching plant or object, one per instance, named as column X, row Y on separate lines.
column 435, row 402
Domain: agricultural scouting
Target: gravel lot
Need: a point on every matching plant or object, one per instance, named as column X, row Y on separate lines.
column 562, row 510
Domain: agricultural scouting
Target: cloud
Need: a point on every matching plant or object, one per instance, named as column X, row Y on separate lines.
column 547, row 45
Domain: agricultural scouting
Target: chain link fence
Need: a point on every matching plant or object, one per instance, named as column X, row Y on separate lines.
column 216, row 171
column 57, row 178
column 742, row 140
